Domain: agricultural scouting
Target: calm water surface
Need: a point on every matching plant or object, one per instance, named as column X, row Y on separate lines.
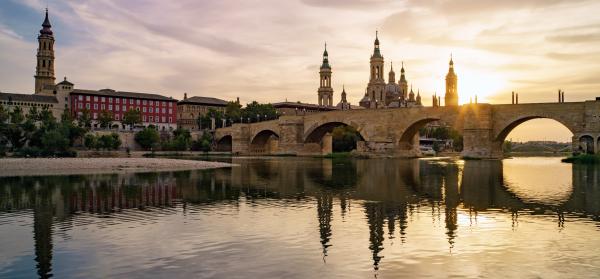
column 308, row 218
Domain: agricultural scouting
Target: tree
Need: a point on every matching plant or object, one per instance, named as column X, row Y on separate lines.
column 259, row 112
column 344, row 138
column 90, row 141
column 85, row 118
column 132, row 117
column 147, row 138
column 53, row 142
column 204, row 143
column 233, row 111
column 105, row 119
column 205, row 121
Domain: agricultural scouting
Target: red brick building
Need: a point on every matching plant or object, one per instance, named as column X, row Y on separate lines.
column 155, row 109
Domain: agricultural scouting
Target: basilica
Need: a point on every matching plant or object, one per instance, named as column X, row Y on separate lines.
column 382, row 94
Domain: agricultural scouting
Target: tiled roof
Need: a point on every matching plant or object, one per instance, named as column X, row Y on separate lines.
column 13, row 97
column 113, row 93
column 204, row 101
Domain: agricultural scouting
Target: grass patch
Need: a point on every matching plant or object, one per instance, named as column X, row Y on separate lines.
column 584, row 159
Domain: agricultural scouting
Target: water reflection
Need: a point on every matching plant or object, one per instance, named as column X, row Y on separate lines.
column 387, row 191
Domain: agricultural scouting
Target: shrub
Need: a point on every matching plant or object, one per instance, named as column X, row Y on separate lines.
column 147, row 138
column 90, row 141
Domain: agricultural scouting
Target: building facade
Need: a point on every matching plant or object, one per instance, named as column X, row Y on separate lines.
column 156, row 110
column 190, row 109
column 392, row 94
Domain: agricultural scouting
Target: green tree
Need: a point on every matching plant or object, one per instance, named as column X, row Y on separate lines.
column 85, row 118
column 53, row 141
column 204, row 143
column 90, row 141
column 116, row 141
column 105, row 119
column 147, row 138
column 344, row 138
column 205, row 121
column 259, row 112
column 132, row 117
column 233, row 111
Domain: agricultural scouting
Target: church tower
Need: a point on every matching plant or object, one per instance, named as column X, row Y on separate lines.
column 403, row 84
column 44, row 73
column 325, row 91
column 376, row 86
column 451, row 98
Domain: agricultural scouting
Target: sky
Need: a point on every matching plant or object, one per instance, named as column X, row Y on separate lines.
column 270, row 50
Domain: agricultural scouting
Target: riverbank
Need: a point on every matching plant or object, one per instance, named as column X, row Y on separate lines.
column 66, row 166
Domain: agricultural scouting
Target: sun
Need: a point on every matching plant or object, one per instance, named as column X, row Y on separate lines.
column 480, row 83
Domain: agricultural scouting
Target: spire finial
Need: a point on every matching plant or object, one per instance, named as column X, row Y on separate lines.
column 391, row 65
column 325, row 45
column 451, row 61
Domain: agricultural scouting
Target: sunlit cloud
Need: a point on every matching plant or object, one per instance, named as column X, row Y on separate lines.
column 270, row 50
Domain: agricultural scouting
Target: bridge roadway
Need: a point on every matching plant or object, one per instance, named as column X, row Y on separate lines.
column 394, row 132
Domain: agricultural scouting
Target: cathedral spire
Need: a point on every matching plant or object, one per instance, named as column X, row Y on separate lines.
column 46, row 30
column 325, row 58
column 392, row 75
column 376, row 50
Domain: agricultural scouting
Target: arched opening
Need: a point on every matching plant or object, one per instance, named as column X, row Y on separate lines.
column 536, row 135
column 333, row 137
column 224, row 144
column 430, row 136
column 586, row 144
column 265, row 141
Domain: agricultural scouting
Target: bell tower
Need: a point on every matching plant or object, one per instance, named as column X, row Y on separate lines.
column 376, row 86
column 451, row 98
column 44, row 73
column 325, row 92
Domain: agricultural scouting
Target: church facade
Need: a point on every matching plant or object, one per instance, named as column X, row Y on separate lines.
column 380, row 93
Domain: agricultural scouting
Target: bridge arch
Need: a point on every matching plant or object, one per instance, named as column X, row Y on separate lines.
column 407, row 139
column 265, row 141
column 316, row 133
column 507, row 127
column 225, row 143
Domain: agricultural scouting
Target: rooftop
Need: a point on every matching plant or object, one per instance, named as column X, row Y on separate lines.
column 204, row 101
column 301, row 106
column 15, row 97
column 113, row 93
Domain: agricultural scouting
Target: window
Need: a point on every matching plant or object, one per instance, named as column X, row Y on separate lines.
column 151, row 119
column 163, row 103
column 87, row 98
column 116, row 117
column 109, row 107
column 95, row 98
column 170, row 119
column 110, row 99
column 144, row 109
column 151, row 103
column 138, row 108
column 87, row 106
column 163, row 110
column 170, row 104
column 156, row 118
column 95, row 115
column 117, row 108
column 80, row 105
column 117, row 100
column 170, row 110
column 95, row 106
column 144, row 102
column 131, row 101
column 102, row 107
column 164, row 119
column 80, row 97
column 137, row 101
column 124, row 108
column 151, row 110
column 103, row 99
column 144, row 118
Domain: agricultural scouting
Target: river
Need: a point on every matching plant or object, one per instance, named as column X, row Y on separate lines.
column 288, row 217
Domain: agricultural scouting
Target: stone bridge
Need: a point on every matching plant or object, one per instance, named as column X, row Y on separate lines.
column 394, row 132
